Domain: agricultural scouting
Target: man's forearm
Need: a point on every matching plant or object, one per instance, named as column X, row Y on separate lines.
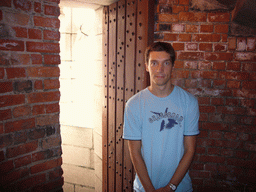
column 139, row 165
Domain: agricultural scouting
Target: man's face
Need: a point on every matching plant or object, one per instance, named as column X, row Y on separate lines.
column 159, row 67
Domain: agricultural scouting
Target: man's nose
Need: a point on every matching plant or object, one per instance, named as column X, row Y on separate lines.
column 160, row 67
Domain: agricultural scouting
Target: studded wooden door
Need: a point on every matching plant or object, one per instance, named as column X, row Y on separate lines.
column 128, row 28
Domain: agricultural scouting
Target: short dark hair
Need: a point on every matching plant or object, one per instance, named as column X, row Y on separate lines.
column 160, row 46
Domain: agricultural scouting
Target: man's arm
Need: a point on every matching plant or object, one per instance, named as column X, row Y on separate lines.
column 139, row 165
column 185, row 162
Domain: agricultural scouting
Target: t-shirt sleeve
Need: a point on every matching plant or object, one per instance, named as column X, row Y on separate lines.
column 192, row 118
column 132, row 121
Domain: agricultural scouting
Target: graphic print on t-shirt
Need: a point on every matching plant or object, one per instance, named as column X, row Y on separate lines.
column 172, row 119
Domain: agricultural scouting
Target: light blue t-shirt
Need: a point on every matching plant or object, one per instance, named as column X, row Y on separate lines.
column 161, row 123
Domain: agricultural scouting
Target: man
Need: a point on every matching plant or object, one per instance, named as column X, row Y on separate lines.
column 161, row 124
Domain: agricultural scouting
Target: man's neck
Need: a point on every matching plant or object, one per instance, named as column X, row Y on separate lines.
column 161, row 91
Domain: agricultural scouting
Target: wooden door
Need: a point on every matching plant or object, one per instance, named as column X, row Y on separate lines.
column 128, row 28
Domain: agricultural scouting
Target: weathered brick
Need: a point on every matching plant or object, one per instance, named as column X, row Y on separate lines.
column 213, row 151
column 34, row 34
column 192, row 16
column 251, row 43
column 23, row 86
column 192, row 28
column 232, row 43
column 5, row 3
column 168, row 18
column 191, row 46
column 46, row 22
column 43, row 47
column 230, row 110
column 177, row 9
column 249, row 85
column 52, row 59
column 43, row 97
column 11, row 45
column 190, row 65
column 218, row 17
column 51, row 84
column 212, row 159
column 20, row 137
column 38, row 133
column 178, row 47
column 38, row 85
column 190, row 55
column 53, row 35
column 2, row 73
column 30, row 182
column 232, row 102
column 227, row 152
column 217, row 101
column 241, row 44
column 6, row 140
column 6, row 167
column 47, row 120
column 244, row 93
column 21, row 111
column 24, row 5
column 21, row 149
column 207, row 109
column 43, row 72
column 234, row 66
column 178, row 28
column 5, row 114
column 220, row 47
column 204, row 65
column 245, row 56
column 234, row 75
column 179, row 64
column 36, row 58
column 19, row 125
column 21, row 32
column 204, row 74
column 170, row 37
column 184, row 37
column 10, row 100
column 17, row 18
column 219, row 66
column 190, row 83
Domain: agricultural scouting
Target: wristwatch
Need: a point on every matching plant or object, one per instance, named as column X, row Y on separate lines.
column 173, row 187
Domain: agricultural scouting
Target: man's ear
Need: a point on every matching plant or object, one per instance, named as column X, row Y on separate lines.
column 146, row 66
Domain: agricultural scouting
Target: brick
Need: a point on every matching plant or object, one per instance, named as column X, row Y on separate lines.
column 204, row 74
column 204, row 65
column 217, row 101
column 221, row 28
column 232, row 43
column 35, row 134
column 206, row 37
column 6, row 87
column 230, row 110
column 24, row 5
column 6, row 167
column 243, row 56
column 43, row 47
column 244, row 93
column 178, row 64
column 159, row 36
column 55, row 174
column 23, row 59
column 234, row 75
column 51, row 84
column 178, row 28
column 177, row 9
column 164, row 27
column 51, row 142
column 215, row 134
column 23, row 86
column 52, row 59
column 170, row 18
column 205, row 46
column 200, row 150
column 190, row 65
column 192, row 16
column 1, row 15
column 229, row 144
column 6, row 140
column 216, row 117
column 192, row 28
column 37, row 7
column 21, row 149
column 170, row 37
column 241, row 163
column 17, row 18
column 41, row 155
column 5, row 3
column 242, row 154
column 190, row 55
column 206, row 28
column 34, row 34
column 1, row 128
column 251, row 44
column 249, row 67
column 203, row 117
column 36, row 58
column 34, row 180
column 52, row 35
column 46, row 22
column 234, row 66
column 47, row 120
column 205, row 142
column 19, row 125
column 56, row 183
column 232, row 102
column 51, row 10
column 213, row 151
column 200, row 174
column 207, row 109
column 10, row 100
column 249, row 85
column 252, row 76
column 219, row 56
column 16, row 72
column 190, row 83
column 219, row 66
column 5, row 114
column 178, row 47
column 244, row 136
column 22, row 161
column 164, row 8
column 247, row 103
column 241, row 44
column 20, row 137
column 43, row 72
column 43, row 97
column 21, row 32
column 230, row 136
column 191, row 46
column 21, row 111
column 38, row 85
column 184, row 37
column 218, row 17
column 212, row 159
column 220, row 84
column 11, row 45
column 224, row 38
column 2, row 73
column 227, row 152
column 220, row 47
column 204, row 100
column 215, row 126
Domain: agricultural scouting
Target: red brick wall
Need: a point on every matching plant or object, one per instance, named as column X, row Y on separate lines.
column 220, row 70
column 30, row 143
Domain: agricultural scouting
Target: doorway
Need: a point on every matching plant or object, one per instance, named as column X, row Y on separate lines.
column 81, row 97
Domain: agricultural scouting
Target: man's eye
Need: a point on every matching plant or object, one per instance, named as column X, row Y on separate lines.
column 167, row 63
column 154, row 63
